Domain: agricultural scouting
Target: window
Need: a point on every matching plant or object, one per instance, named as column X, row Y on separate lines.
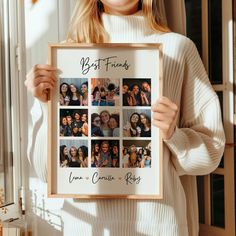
column 10, row 133
column 209, row 25
column 6, row 175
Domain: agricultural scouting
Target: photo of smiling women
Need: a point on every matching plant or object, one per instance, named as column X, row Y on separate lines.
column 137, row 123
column 136, row 154
column 105, row 153
column 105, row 92
column 136, row 92
column 105, row 123
column 73, row 153
column 73, row 92
column 73, row 122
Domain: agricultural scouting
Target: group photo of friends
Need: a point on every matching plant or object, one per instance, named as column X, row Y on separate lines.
column 136, row 154
column 74, row 153
column 136, row 92
column 105, row 124
column 105, row 153
column 73, row 122
column 137, row 123
column 105, row 92
column 73, row 92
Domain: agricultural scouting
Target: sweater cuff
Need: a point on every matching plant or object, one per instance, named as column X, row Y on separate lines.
column 177, row 143
column 44, row 107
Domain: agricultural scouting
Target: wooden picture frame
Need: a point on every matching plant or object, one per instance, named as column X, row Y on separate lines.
column 101, row 143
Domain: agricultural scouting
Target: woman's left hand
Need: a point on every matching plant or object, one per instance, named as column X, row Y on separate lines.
column 165, row 116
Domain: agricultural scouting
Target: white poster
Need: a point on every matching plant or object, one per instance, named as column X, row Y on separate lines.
column 101, row 139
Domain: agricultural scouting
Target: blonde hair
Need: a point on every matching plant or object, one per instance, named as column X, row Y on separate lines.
column 86, row 25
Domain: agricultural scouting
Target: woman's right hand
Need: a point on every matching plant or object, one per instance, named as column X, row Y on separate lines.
column 40, row 80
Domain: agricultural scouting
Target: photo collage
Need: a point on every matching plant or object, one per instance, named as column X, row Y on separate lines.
column 105, row 122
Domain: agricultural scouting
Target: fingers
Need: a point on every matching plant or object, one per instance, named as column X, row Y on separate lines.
column 34, row 77
column 44, row 67
column 168, row 117
column 41, row 91
column 165, row 116
column 158, row 107
column 50, row 74
column 164, row 101
column 40, row 79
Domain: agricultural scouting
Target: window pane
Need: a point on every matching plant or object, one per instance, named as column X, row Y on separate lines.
column 220, row 96
column 221, row 165
column 6, row 170
column 201, row 199
column 217, row 201
column 194, row 22
column 215, row 40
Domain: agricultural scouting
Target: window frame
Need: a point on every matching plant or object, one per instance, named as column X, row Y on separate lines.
column 12, row 12
column 228, row 104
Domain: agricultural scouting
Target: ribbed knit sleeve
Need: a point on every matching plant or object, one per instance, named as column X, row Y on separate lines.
column 37, row 151
column 198, row 143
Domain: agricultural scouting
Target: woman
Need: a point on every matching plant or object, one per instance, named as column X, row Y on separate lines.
column 77, row 124
column 63, row 126
column 95, row 154
column 145, row 125
column 83, row 156
column 196, row 128
column 125, row 158
column 105, row 155
column 84, row 94
column 146, row 162
column 110, row 101
column 96, row 96
column 140, row 155
column 125, row 92
column 132, row 128
column 64, row 94
column 134, row 98
column 74, row 158
column 114, row 124
column 105, row 117
column 133, row 158
column 64, row 159
column 96, row 125
column 115, row 156
column 103, row 97
column 75, row 97
column 84, row 121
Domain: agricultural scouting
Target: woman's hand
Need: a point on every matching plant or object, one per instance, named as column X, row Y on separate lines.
column 40, row 80
column 165, row 116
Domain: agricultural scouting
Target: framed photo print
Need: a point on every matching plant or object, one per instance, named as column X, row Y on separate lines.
column 102, row 143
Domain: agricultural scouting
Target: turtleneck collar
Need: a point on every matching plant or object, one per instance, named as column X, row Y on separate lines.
column 122, row 28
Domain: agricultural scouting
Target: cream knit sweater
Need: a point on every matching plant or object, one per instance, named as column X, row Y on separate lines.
column 194, row 149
